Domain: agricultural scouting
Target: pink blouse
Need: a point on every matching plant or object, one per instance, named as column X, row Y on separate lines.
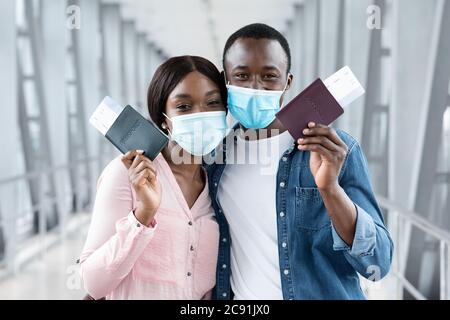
column 175, row 258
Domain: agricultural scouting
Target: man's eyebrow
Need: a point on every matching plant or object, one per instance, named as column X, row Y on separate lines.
column 240, row 67
column 271, row 68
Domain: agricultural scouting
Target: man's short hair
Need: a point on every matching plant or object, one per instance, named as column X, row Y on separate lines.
column 259, row 31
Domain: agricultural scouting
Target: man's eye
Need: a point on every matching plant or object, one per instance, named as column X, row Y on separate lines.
column 241, row 76
column 270, row 76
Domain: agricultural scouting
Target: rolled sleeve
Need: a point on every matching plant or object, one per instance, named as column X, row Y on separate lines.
column 364, row 241
column 140, row 227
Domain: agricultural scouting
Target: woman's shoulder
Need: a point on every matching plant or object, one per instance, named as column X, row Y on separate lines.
column 115, row 171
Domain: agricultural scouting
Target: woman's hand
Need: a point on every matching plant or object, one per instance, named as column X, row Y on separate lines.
column 143, row 178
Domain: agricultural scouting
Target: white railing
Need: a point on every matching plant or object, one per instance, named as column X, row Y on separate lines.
column 400, row 222
column 9, row 222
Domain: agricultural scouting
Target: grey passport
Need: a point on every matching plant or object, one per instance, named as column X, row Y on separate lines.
column 131, row 131
column 314, row 104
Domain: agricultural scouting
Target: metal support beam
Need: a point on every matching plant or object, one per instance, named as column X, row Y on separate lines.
column 37, row 156
column 437, row 86
column 13, row 163
column 130, row 61
column 89, row 54
column 80, row 176
column 111, row 30
column 142, row 73
column 373, row 121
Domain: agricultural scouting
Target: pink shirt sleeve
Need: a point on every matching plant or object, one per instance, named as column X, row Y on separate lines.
column 115, row 238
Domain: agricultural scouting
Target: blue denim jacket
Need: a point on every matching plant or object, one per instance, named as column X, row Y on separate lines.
column 316, row 263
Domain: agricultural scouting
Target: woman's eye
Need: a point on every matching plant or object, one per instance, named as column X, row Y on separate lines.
column 183, row 107
column 214, row 103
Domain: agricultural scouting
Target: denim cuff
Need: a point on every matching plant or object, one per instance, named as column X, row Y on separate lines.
column 365, row 236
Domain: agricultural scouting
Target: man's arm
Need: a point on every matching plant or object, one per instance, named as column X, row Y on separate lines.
column 357, row 224
column 328, row 153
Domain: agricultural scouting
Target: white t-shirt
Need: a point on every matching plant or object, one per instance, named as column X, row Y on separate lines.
column 247, row 194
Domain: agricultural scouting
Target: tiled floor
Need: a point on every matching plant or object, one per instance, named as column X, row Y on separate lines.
column 53, row 275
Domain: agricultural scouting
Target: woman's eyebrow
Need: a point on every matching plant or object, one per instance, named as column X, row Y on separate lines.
column 181, row 95
column 210, row 93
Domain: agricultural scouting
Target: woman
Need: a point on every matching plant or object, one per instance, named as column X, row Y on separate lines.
column 153, row 233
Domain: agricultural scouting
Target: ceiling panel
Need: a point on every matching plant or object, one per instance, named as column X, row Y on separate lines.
column 201, row 27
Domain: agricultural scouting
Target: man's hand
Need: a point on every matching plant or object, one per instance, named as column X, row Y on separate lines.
column 328, row 153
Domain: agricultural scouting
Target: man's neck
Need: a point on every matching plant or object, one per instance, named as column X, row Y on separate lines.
column 274, row 129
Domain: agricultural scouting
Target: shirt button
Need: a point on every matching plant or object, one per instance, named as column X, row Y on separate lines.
column 286, row 272
column 215, row 184
column 190, row 223
column 224, row 266
column 138, row 225
column 282, row 184
column 282, row 214
column 189, row 274
column 224, row 240
column 284, row 244
column 224, row 294
column 192, row 248
column 284, row 159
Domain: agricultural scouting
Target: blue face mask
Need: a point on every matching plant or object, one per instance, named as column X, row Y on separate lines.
column 254, row 109
column 199, row 133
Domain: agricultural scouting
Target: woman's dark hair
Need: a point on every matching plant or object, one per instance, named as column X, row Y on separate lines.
column 170, row 74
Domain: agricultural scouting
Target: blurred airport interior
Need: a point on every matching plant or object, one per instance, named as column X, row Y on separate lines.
column 58, row 59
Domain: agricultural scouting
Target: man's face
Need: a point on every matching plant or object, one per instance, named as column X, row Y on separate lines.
column 258, row 64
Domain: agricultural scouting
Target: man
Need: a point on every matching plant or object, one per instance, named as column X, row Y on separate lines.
column 305, row 229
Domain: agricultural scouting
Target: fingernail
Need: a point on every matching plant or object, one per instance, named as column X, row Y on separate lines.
column 312, row 124
column 306, row 131
column 140, row 151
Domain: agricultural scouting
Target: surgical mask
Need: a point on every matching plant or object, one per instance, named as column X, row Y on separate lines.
column 199, row 133
column 254, row 109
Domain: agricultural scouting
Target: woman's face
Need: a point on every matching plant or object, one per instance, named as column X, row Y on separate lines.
column 195, row 93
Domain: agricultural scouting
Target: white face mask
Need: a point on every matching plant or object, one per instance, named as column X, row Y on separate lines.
column 199, row 133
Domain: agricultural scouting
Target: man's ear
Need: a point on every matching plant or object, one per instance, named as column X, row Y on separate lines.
column 290, row 80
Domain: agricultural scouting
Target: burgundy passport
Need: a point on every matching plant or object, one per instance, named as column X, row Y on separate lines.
column 314, row 104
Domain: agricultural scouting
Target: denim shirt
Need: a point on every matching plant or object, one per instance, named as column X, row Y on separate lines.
column 316, row 263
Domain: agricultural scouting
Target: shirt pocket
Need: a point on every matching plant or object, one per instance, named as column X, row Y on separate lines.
column 206, row 256
column 164, row 259
column 310, row 211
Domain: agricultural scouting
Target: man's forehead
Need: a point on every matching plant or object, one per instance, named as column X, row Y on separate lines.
column 249, row 52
